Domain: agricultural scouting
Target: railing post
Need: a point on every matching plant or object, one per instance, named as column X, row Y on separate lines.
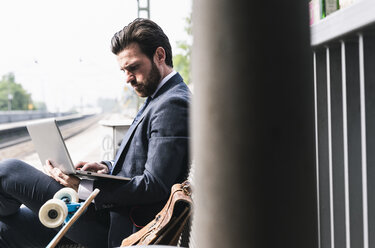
column 253, row 125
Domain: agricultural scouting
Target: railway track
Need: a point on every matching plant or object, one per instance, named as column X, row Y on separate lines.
column 21, row 145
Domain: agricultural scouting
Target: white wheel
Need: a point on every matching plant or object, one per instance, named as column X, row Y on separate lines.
column 53, row 213
column 68, row 193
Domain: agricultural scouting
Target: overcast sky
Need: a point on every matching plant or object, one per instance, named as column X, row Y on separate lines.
column 59, row 50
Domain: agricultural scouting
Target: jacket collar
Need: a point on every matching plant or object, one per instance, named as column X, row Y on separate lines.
column 175, row 79
column 165, row 79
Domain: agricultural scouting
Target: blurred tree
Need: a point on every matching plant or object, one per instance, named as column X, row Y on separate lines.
column 40, row 106
column 13, row 93
column 181, row 61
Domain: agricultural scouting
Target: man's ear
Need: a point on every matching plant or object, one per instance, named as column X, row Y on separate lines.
column 159, row 55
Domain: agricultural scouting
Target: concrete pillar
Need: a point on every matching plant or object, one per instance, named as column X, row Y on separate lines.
column 253, row 125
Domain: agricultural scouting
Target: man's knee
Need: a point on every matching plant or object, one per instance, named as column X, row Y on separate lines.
column 10, row 163
column 8, row 166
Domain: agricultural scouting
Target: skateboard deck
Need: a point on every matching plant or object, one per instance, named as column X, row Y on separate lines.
column 72, row 219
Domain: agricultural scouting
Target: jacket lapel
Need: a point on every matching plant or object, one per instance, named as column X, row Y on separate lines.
column 174, row 80
column 129, row 134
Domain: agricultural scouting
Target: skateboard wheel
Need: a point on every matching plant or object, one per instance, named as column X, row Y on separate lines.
column 53, row 213
column 66, row 193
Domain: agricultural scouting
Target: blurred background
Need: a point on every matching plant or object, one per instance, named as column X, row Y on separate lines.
column 55, row 55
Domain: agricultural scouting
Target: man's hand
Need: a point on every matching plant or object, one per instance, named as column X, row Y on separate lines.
column 66, row 180
column 92, row 166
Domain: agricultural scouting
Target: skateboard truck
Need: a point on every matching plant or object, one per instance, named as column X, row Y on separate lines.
column 72, row 209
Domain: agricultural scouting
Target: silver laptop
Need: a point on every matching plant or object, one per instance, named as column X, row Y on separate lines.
column 50, row 145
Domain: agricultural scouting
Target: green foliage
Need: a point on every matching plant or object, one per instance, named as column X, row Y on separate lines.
column 182, row 60
column 40, row 106
column 18, row 96
column 182, row 65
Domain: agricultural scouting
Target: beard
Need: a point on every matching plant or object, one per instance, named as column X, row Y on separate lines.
column 148, row 87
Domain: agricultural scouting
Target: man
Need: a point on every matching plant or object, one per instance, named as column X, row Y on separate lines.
column 153, row 153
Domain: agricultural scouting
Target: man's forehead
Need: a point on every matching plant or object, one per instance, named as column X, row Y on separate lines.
column 132, row 49
column 131, row 54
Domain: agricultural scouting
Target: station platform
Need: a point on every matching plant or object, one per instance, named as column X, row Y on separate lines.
column 85, row 145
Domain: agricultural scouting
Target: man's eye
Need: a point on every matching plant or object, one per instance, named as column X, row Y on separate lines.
column 133, row 68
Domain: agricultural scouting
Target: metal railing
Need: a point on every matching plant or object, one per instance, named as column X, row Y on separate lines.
column 20, row 115
column 344, row 80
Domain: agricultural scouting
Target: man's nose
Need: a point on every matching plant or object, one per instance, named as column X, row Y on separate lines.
column 129, row 76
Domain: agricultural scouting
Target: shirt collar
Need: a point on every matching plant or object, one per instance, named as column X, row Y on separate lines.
column 165, row 79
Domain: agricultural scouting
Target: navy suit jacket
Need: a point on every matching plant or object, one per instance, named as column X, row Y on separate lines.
column 155, row 155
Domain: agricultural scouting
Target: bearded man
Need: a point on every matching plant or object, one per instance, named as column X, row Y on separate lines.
column 154, row 154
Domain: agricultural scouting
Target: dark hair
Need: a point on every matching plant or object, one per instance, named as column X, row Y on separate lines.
column 147, row 34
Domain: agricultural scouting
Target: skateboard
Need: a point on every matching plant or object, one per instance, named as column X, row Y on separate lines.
column 64, row 209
